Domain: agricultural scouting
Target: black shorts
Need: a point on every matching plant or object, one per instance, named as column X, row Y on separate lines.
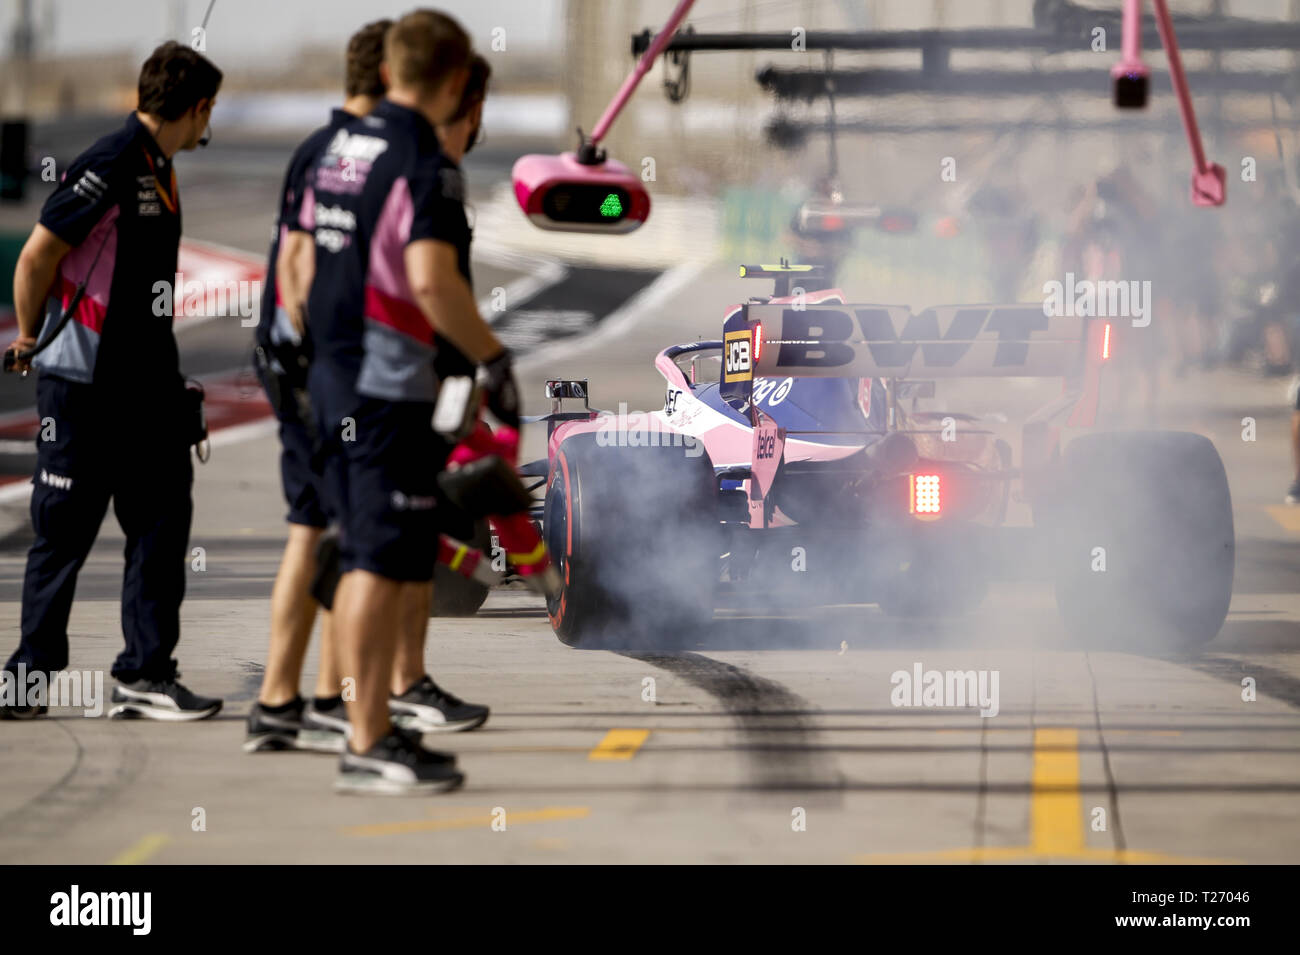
column 301, row 483
column 381, row 471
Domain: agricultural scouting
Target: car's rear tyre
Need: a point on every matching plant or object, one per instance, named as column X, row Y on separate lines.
column 1143, row 546
column 455, row 595
column 634, row 534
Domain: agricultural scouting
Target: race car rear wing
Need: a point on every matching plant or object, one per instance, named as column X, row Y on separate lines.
column 890, row 341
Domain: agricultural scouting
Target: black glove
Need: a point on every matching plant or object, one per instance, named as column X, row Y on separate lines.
column 502, row 392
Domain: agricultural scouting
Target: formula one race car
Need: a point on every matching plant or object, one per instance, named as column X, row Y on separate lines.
column 806, row 468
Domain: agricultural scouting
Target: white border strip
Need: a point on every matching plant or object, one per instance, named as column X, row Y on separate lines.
column 235, row 434
column 241, row 257
column 540, row 274
column 635, row 311
column 18, row 491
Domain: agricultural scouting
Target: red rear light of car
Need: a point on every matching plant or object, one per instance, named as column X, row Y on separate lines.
column 925, row 495
column 758, row 342
column 1105, row 342
column 898, row 223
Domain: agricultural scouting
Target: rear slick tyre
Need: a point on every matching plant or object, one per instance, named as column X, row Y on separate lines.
column 634, row 534
column 1143, row 545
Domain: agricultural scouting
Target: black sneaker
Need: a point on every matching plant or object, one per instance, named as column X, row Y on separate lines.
column 325, row 729
column 161, row 700
column 12, row 711
column 397, row 765
column 270, row 732
column 1293, row 492
column 430, row 709
column 15, row 712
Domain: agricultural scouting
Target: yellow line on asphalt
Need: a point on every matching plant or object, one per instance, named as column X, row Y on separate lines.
column 1012, row 729
column 477, row 821
column 1055, row 811
column 1029, row 853
column 1288, row 517
column 142, row 850
column 1055, row 819
column 531, row 749
column 619, row 744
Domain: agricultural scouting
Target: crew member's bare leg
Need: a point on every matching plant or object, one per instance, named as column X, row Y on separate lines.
column 366, row 613
column 413, row 606
column 293, row 612
column 329, row 681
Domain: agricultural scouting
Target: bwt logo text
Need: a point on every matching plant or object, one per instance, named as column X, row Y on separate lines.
column 181, row 299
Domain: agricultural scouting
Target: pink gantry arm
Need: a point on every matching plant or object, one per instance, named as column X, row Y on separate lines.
column 1132, row 42
column 642, row 68
column 1208, row 179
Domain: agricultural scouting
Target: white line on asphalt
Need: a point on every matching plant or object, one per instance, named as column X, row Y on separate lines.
column 240, row 258
column 542, row 273
column 233, row 435
column 244, row 432
column 15, row 492
column 631, row 313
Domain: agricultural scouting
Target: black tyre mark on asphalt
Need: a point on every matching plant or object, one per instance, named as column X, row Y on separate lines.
column 1116, row 823
column 108, row 759
column 759, row 706
column 1269, row 682
column 250, row 682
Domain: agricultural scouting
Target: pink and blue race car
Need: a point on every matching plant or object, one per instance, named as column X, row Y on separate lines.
column 802, row 457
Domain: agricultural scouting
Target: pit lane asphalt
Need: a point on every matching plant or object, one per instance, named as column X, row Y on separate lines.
column 766, row 721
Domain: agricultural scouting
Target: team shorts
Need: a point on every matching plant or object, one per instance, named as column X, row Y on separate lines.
column 381, row 467
column 298, row 477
